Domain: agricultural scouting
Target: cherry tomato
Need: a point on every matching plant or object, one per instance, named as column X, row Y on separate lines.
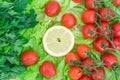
column 77, row 1
column 69, row 20
column 98, row 74
column 116, row 42
column 75, row 73
column 109, row 60
column 116, row 29
column 116, row 2
column 52, row 9
column 29, row 58
column 83, row 50
column 85, row 77
column 92, row 4
column 106, row 14
column 87, row 62
column 48, row 69
column 101, row 44
column 89, row 31
column 89, row 16
column 104, row 28
column 71, row 57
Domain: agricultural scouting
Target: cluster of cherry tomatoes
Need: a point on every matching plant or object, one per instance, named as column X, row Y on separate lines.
column 81, row 60
column 107, row 38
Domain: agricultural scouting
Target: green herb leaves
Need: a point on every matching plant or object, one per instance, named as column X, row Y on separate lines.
column 13, row 18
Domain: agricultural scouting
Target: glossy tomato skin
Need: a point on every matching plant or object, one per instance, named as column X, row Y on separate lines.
column 98, row 74
column 116, row 42
column 109, row 60
column 48, row 69
column 89, row 17
column 89, row 31
column 87, row 62
column 100, row 44
column 75, row 73
column 106, row 14
column 52, row 9
column 29, row 58
column 116, row 30
column 69, row 20
column 116, row 2
column 77, row 1
column 83, row 50
column 92, row 4
column 85, row 77
column 71, row 57
column 105, row 27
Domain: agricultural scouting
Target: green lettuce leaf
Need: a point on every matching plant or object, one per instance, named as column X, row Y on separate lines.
column 35, row 35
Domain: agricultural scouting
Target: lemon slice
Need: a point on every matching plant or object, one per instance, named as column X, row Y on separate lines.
column 58, row 41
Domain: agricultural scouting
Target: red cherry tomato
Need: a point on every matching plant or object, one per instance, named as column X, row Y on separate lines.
column 89, row 16
column 87, row 62
column 92, row 4
column 77, row 1
column 85, row 77
column 116, row 42
column 89, row 31
column 116, row 2
column 75, row 73
column 106, row 14
column 104, row 28
column 48, row 69
column 109, row 60
column 116, row 29
column 83, row 50
column 101, row 44
column 29, row 58
column 98, row 74
column 52, row 9
column 71, row 57
column 69, row 20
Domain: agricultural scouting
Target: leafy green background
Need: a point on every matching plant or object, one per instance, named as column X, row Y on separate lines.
column 33, row 37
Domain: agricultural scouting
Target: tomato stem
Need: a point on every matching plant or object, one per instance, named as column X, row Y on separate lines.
column 108, row 37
